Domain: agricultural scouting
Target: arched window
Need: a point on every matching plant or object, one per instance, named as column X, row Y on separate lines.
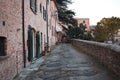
column 83, row 21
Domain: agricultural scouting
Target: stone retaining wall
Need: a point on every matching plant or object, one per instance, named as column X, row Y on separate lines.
column 107, row 54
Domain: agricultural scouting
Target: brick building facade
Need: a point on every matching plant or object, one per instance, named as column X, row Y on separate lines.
column 54, row 29
column 23, row 33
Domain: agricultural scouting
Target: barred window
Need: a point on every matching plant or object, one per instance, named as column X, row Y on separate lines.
column 33, row 6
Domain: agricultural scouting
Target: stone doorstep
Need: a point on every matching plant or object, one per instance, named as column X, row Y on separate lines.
column 32, row 67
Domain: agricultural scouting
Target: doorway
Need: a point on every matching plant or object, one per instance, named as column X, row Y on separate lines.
column 31, row 44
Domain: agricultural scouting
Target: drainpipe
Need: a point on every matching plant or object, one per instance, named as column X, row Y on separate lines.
column 47, row 23
column 23, row 34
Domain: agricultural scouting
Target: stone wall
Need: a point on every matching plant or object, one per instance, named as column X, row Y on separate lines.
column 107, row 54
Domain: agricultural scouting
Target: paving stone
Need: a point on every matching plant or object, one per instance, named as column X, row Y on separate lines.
column 54, row 64
column 33, row 78
column 66, row 63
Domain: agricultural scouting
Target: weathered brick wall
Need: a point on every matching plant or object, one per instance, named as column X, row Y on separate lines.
column 52, row 23
column 36, row 21
column 107, row 54
column 11, row 14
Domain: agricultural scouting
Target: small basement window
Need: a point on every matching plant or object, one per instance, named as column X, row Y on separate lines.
column 3, row 23
column 3, row 46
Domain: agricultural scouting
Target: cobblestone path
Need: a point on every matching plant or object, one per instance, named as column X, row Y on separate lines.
column 66, row 63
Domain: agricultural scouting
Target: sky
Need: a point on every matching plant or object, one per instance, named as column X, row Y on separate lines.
column 95, row 10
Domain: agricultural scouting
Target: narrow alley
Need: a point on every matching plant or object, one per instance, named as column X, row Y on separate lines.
column 66, row 63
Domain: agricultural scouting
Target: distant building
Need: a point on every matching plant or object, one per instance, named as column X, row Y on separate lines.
column 92, row 27
column 85, row 22
column 54, row 29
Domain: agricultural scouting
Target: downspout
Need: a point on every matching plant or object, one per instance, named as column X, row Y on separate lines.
column 47, row 23
column 23, row 33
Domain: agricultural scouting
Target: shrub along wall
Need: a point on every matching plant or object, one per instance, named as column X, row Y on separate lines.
column 107, row 54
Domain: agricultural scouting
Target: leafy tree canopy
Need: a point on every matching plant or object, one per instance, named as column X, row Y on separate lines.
column 65, row 15
column 78, row 32
column 107, row 28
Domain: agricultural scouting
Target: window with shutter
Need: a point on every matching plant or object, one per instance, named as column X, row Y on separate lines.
column 40, row 7
column 33, row 6
column 44, row 14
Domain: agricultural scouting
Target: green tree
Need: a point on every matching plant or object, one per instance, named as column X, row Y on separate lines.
column 78, row 32
column 65, row 15
column 106, row 29
column 100, row 33
column 83, row 33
